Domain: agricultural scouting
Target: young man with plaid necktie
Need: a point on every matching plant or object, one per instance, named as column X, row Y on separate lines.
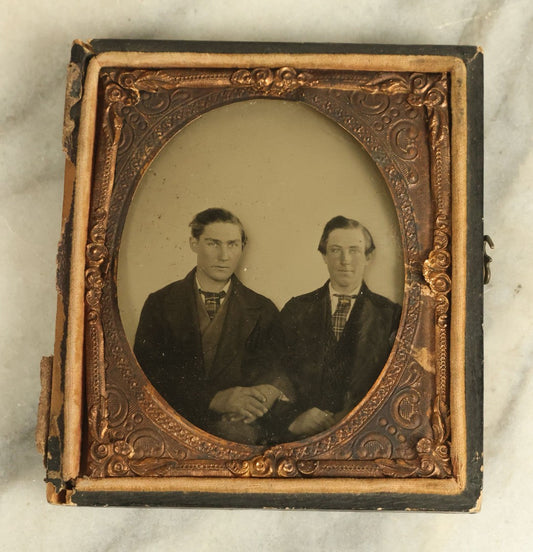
column 339, row 336
column 212, row 347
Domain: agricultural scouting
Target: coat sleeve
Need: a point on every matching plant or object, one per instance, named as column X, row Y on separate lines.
column 395, row 322
column 168, row 366
column 266, row 352
column 149, row 347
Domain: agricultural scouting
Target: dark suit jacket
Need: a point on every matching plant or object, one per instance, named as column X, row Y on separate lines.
column 168, row 346
column 333, row 375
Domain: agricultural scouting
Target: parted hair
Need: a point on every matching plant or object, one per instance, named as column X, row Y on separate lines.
column 343, row 222
column 211, row 215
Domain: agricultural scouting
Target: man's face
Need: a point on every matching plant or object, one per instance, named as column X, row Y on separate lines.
column 218, row 251
column 345, row 258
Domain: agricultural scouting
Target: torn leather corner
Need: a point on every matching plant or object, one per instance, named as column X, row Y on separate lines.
column 43, row 412
column 84, row 44
column 80, row 53
column 72, row 97
column 55, row 497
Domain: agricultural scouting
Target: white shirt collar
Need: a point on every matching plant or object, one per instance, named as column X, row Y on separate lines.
column 225, row 288
column 334, row 300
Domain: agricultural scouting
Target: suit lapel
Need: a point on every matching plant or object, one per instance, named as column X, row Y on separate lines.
column 239, row 323
column 318, row 324
column 362, row 339
column 184, row 320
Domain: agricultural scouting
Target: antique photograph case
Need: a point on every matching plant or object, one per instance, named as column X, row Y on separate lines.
column 269, row 278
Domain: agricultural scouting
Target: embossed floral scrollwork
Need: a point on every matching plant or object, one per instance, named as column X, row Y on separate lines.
column 260, row 79
column 405, row 409
column 149, row 81
column 412, row 376
column 155, row 103
column 153, row 466
column 434, row 453
column 117, row 94
column 126, row 139
column 373, row 445
column 418, row 82
column 122, row 448
column 96, row 254
column 139, row 451
column 433, row 461
column 135, row 119
column 435, row 272
column 406, row 404
column 94, row 283
column 97, row 233
column 403, row 139
column 382, row 83
column 129, row 80
column 268, row 465
column 442, row 306
column 99, row 451
column 287, row 468
column 279, row 82
column 146, row 442
column 117, row 466
column 432, row 94
column 435, row 97
column 439, row 258
column 259, row 466
column 307, row 467
column 372, row 104
column 436, row 265
column 117, row 406
column 426, row 90
column 98, row 418
column 238, row 467
column 438, row 280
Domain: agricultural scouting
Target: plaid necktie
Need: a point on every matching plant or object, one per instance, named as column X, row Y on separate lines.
column 212, row 301
column 341, row 314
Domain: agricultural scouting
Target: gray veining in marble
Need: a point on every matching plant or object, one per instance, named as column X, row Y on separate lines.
column 34, row 51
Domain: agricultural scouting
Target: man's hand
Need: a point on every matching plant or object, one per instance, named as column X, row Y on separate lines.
column 312, row 421
column 271, row 393
column 242, row 403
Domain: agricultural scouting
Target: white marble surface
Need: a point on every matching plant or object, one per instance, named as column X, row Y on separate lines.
column 34, row 50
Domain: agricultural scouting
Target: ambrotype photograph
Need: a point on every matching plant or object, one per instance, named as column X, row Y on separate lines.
column 214, row 343
column 262, row 278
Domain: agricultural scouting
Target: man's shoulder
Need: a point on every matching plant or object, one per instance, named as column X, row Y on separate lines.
column 306, row 301
column 250, row 297
column 380, row 301
column 176, row 288
column 383, row 311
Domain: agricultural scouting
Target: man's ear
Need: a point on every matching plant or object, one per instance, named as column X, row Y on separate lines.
column 370, row 256
column 324, row 258
column 193, row 242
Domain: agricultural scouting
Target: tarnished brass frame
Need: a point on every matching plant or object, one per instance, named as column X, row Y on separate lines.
column 452, row 483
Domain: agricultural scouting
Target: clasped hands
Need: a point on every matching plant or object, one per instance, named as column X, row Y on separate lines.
column 245, row 404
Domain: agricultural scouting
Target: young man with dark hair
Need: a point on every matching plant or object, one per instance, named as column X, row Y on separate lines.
column 338, row 336
column 212, row 347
